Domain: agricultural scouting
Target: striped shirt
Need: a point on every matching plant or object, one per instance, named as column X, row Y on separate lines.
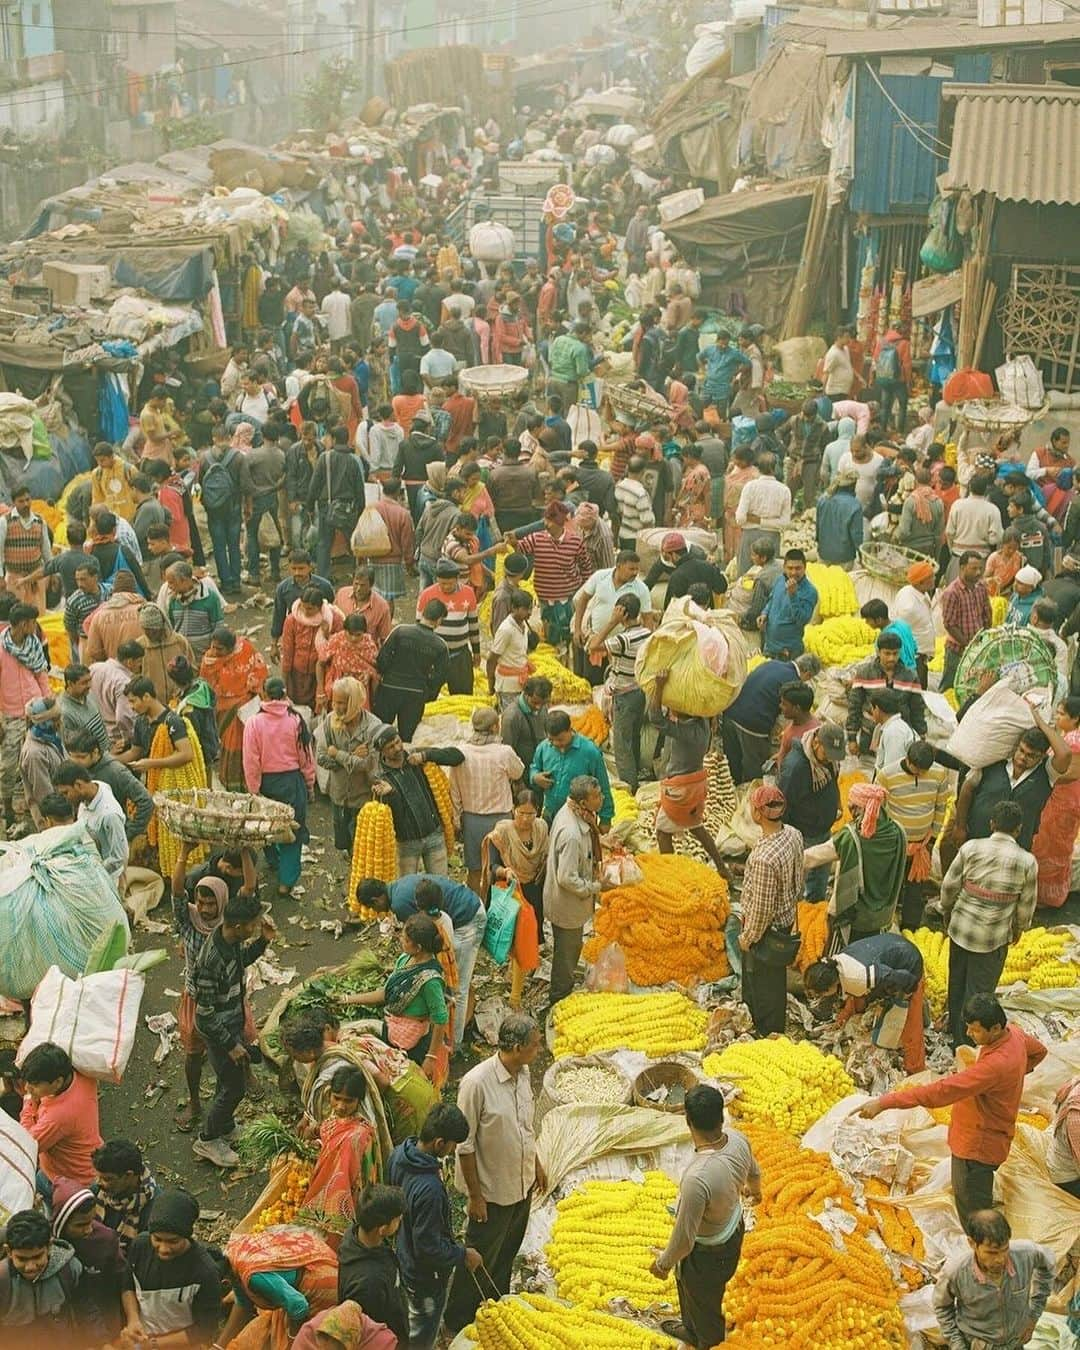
column 917, row 804
column 635, row 508
column 77, row 610
column 461, row 627
column 772, row 883
column 560, row 565
column 624, row 647
column 989, row 892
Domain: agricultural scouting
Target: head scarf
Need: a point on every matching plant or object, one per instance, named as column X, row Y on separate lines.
column 344, row 1324
column 920, row 571
column 243, row 434
column 769, row 800
column 173, row 1212
column 220, row 888
column 922, row 497
column 436, row 476
column 1029, row 576
column 587, row 514
column 820, row 774
column 354, row 701
column 869, row 798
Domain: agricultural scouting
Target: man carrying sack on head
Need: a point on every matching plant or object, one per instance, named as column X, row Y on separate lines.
column 684, row 789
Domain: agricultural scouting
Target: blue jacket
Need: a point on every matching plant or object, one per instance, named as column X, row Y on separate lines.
column 894, row 964
column 839, row 527
column 786, row 616
column 426, row 1251
column 758, row 704
column 580, row 756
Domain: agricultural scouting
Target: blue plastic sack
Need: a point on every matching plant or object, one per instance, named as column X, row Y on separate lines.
column 55, row 901
column 743, row 430
column 501, row 923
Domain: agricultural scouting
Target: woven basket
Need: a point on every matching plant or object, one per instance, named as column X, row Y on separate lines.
column 666, row 1074
column 484, row 382
column 639, row 405
column 890, row 562
column 1018, row 652
column 997, row 416
column 232, row 819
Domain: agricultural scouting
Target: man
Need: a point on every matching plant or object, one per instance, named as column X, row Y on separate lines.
column 515, row 489
column 994, row 1294
column 805, row 437
column 398, row 780
column 887, row 968
column 1045, row 620
column 459, row 628
column 560, row 566
column 839, row 522
column 482, row 788
column 161, row 646
column 562, row 757
column 113, row 623
column 100, row 812
column 720, row 363
column 684, row 565
column 597, row 484
column 765, row 570
column 24, row 676
column 47, row 1298
column 913, row 607
column 134, row 801
column 891, row 733
column 497, row 1166
column 367, row 1267
column 437, row 365
column 621, row 638
column 1035, row 542
column 597, row 599
column 772, row 888
column 965, row 612
column 789, row 609
column 516, row 569
column 764, row 508
column 218, row 974
column 748, row 722
column 413, row 665
column 417, row 451
column 707, row 1238
column 113, row 551
column 508, row 659
column 808, row 779
column 78, row 709
column 427, row 1253
column 1025, row 779
column 125, row 1188
column 523, row 722
column 987, row 899
column 41, row 754
column 390, row 568
column 685, row 784
column 571, row 880
column 883, row 671
column 110, row 481
column 838, row 374
column 151, row 713
column 569, row 363
column 25, row 548
column 361, row 597
column 633, row 504
column 916, row 797
column 871, row 851
column 336, row 495
column 685, row 352
column 225, row 483
column 974, row 525
column 194, row 608
column 985, row 1099
column 337, row 314
column 301, row 577
column 306, row 329
column 266, row 474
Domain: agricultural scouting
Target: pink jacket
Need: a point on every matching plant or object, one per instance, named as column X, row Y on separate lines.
column 271, row 745
column 19, row 685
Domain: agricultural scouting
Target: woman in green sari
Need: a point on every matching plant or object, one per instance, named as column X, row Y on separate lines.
column 871, row 858
column 413, row 1000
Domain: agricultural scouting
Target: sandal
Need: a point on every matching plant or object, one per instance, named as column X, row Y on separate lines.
column 187, row 1118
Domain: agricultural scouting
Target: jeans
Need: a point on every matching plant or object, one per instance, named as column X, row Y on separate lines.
column 566, row 949
column 263, row 505
column 498, row 1241
column 467, row 940
column 402, row 704
column 972, row 1187
column 627, row 724
column 228, row 1093
column 426, row 1314
column 948, row 673
column 427, row 573
column 970, row 973
column 423, row 855
column 893, row 391
column 701, row 1279
column 298, row 523
column 225, row 539
column 324, row 547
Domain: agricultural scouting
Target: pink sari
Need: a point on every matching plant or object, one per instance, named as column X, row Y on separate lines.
column 734, row 482
column 1058, row 827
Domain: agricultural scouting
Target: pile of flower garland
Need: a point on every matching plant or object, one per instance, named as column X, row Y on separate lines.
column 789, row 1084
column 655, row 1024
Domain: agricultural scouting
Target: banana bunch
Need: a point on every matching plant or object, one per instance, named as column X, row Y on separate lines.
column 836, row 592
column 840, row 641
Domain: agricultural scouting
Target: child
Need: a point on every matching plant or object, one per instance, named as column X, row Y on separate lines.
column 124, row 1189
column 97, row 1248
column 60, row 1110
column 367, row 1267
column 40, row 1299
column 170, row 1287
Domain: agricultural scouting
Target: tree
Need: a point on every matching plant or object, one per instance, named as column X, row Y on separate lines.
column 325, row 92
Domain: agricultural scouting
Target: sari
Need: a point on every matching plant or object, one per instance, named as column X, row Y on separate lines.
column 1058, row 827
column 347, row 1162
column 695, row 499
column 277, row 1250
column 192, row 775
column 406, row 1095
column 348, row 1326
column 406, row 1018
column 234, row 679
column 343, row 655
column 734, row 481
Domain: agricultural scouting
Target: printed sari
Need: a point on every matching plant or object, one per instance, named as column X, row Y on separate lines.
column 278, row 1250
column 348, row 1161
column 234, row 679
column 408, row 1025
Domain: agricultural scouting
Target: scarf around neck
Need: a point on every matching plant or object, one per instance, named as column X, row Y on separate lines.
column 30, row 652
column 821, row 775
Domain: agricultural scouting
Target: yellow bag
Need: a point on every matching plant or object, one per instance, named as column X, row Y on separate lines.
column 706, row 655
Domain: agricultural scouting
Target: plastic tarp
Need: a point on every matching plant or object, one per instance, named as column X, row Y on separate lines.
column 168, row 273
column 782, row 118
column 745, row 217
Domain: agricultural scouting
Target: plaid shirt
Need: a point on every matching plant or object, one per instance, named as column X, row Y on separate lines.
column 965, row 609
column 989, row 893
column 219, row 988
column 772, row 883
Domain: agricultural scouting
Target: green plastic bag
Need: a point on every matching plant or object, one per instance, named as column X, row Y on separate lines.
column 501, row 923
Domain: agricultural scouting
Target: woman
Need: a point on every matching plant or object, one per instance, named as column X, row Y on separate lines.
column 1060, row 819
column 1004, row 563
column 349, row 653
column 348, row 1157
column 695, row 496
column 409, row 402
column 310, row 617
column 740, row 471
column 343, row 742
column 278, row 763
column 415, row 1012
column 517, row 849
column 477, row 501
column 345, row 1327
column 510, row 332
column 234, row 670
column 280, row 1278
column 195, row 701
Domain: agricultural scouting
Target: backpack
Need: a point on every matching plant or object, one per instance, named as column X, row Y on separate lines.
column 218, row 487
column 887, row 363
column 320, row 401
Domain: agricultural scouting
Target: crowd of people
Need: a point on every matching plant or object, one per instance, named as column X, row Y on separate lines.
column 418, row 539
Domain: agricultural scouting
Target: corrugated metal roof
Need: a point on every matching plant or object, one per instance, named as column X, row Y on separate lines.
column 948, row 34
column 1020, row 141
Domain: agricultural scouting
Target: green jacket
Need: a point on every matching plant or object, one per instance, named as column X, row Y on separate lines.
column 581, row 756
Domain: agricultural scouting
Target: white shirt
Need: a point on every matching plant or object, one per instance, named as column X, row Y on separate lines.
column 915, row 608
column 1060, row 649
column 510, row 645
column 337, row 311
column 896, row 736
column 254, row 405
column 603, row 593
column 866, row 487
column 838, row 371
column 105, row 820
column 767, row 499
column 974, row 522
column 460, row 306
column 437, row 363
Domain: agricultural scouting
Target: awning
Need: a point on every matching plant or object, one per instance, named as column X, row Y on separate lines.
column 750, row 215
column 1020, row 141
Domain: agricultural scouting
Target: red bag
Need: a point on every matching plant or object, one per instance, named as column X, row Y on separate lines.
column 968, row 383
column 526, row 948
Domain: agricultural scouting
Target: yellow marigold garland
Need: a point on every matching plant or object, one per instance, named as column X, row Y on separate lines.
column 533, row 1322
column 789, row 1084
column 190, row 775
column 836, row 591
column 656, row 1024
column 840, row 641
column 591, row 724
column 374, row 853
column 440, row 790
column 813, row 921
column 1036, row 960
column 291, row 1199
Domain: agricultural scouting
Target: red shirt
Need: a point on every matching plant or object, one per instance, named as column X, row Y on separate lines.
column 66, row 1130
column 985, row 1098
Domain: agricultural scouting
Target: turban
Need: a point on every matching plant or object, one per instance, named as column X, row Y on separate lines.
column 587, row 512
column 769, row 800
column 869, row 798
column 920, row 571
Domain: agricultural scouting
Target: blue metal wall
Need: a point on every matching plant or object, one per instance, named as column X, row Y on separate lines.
column 896, row 166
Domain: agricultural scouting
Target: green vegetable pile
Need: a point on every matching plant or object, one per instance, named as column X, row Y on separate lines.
column 362, row 974
column 262, row 1139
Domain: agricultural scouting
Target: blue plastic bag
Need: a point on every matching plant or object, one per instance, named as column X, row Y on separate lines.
column 501, row 923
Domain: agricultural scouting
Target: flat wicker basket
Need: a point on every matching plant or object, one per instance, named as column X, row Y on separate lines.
column 484, row 382
column 890, row 562
column 639, row 405
column 232, row 819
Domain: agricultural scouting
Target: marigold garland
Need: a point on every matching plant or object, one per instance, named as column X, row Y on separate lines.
column 374, row 853
column 533, row 1322
column 813, row 919
column 592, row 724
column 656, row 1024
column 789, row 1084
column 440, row 790
column 836, row 590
